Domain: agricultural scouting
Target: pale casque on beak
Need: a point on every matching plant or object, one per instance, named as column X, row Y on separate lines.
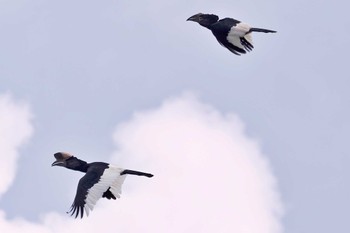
column 61, row 158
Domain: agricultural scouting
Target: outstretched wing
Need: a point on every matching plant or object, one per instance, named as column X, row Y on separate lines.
column 84, row 185
column 229, row 32
column 240, row 37
column 93, row 185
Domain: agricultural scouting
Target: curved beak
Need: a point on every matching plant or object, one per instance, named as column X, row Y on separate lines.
column 61, row 158
column 194, row 18
column 58, row 163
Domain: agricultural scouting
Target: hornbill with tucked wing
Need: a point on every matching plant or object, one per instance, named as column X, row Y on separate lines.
column 230, row 33
column 101, row 180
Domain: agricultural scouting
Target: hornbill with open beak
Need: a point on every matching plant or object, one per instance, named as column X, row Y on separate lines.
column 101, row 180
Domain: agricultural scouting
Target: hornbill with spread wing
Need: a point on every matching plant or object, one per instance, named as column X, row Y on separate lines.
column 230, row 33
column 101, row 180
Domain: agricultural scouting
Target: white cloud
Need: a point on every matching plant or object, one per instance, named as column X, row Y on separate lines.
column 15, row 129
column 209, row 177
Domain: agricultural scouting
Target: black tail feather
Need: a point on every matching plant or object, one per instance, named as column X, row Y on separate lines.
column 131, row 172
column 261, row 30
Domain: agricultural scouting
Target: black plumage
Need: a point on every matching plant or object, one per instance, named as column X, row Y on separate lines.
column 230, row 33
column 102, row 180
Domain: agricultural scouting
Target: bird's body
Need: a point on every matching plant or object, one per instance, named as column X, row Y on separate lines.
column 102, row 180
column 230, row 33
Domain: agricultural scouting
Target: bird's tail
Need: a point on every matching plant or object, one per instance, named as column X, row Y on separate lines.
column 131, row 172
column 260, row 30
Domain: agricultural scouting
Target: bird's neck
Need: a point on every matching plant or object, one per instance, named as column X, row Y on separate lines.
column 206, row 25
column 79, row 165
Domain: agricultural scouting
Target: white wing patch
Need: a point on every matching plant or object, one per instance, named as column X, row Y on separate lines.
column 238, row 32
column 248, row 37
column 110, row 178
column 116, row 187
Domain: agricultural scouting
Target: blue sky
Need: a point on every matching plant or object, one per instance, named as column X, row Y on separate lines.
column 84, row 68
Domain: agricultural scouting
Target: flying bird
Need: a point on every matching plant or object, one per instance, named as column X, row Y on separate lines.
column 230, row 33
column 101, row 180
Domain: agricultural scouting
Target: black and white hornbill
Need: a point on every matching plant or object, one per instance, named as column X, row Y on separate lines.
column 231, row 33
column 101, row 180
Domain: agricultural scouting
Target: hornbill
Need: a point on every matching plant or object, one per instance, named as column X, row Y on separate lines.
column 101, row 180
column 230, row 33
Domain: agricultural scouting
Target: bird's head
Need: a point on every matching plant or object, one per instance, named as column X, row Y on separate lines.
column 204, row 19
column 61, row 159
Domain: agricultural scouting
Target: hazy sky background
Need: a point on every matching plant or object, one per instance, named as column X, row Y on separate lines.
column 108, row 80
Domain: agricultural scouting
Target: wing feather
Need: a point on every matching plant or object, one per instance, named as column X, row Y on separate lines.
column 240, row 37
column 92, row 186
